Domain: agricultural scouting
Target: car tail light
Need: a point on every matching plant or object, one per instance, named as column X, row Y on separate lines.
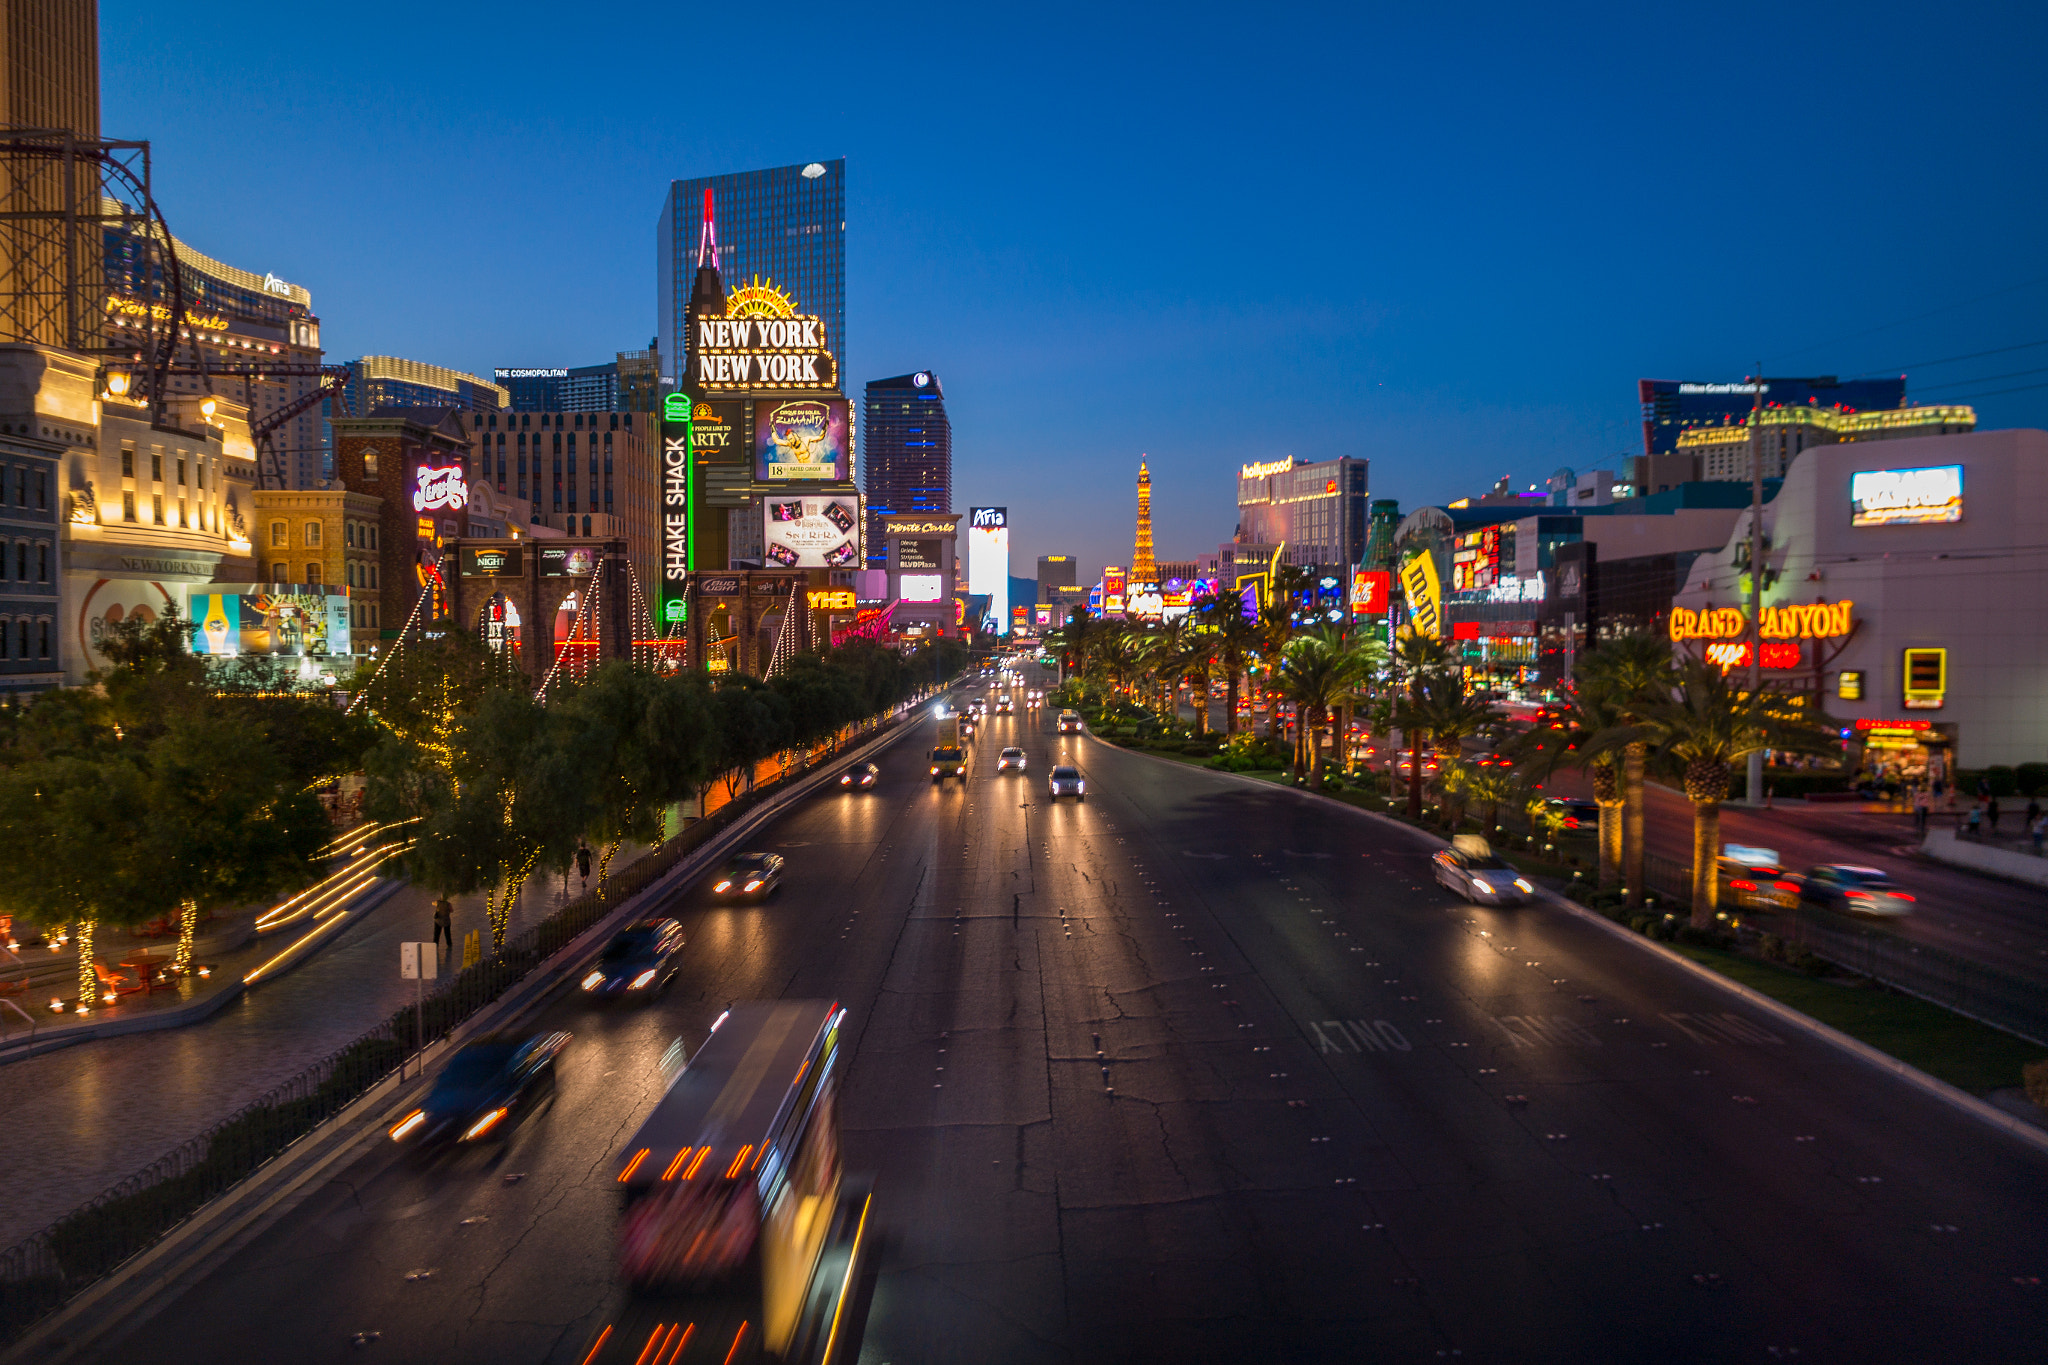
column 407, row 1124
column 1901, row 896
column 1742, row 886
column 1859, row 895
column 1786, row 886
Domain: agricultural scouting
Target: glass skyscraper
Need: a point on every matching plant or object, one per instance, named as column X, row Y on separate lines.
column 908, row 445
column 787, row 225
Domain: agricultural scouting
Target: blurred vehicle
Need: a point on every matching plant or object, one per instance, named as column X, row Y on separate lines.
column 1403, row 765
column 1070, row 722
column 737, row 1214
column 1546, row 718
column 860, row 775
column 749, row 874
column 640, row 960
column 1003, row 705
column 1473, row 870
column 486, row 1088
column 1493, row 761
column 1066, row 781
column 977, row 707
column 1578, row 812
column 1854, row 890
column 1010, row 760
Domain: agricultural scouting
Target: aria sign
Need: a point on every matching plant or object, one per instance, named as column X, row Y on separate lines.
column 1906, row 497
column 442, row 487
column 1820, row 621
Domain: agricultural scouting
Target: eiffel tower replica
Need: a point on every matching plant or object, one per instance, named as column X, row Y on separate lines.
column 1144, row 568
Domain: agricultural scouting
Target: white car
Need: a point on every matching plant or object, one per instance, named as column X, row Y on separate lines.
column 1066, row 781
column 1470, row 868
column 1010, row 760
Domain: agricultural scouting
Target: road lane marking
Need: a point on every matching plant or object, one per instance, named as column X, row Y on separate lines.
column 1358, row 1035
column 1534, row 1030
column 1721, row 1028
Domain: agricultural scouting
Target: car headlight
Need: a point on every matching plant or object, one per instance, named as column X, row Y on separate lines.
column 1522, row 884
column 641, row 979
column 593, row 981
column 1481, row 886
column 723, row 886
column 935, row 771
column 407, row 1124
column 484, row 1124
column 845, row 781
column 754, row 885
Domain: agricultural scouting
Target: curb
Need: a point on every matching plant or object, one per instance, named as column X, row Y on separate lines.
column 127, row 1297
column 1981, row 1110
column 183, row 1014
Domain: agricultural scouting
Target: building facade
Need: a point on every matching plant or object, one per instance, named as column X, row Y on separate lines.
column 239, row 325
column 385, row 381
column 416, row 463
column 629, row 383
column 324, row 538
column 1316, row 511
column 1725, row 453
column 577, row 469
column 31, row 645
column 786, row 224
column 909, row 462
column 1930, row 553
column 1672, row 407
column 50, row 65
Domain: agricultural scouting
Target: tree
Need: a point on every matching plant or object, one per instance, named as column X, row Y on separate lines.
column 1421, row 658
column 1589, row 710
column 1318, row 672
column 1708, row 726
column 1630, row 670
column 1233, row 637
column 79, row 826
column 1440, row 706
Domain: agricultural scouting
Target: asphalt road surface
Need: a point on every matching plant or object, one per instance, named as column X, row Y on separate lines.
column 1193, row 1072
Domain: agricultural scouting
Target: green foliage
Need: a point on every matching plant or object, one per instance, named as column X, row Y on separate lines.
column 2031, row 778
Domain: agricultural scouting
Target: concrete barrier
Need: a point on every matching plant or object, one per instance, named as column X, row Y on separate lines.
column 1942, row 845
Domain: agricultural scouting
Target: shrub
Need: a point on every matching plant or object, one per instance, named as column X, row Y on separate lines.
column 2002, row 779
column 1771, row 948
column 2031, row 778
column 1801, row 959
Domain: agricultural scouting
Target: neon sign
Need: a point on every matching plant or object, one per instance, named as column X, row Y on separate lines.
column 1777, row 654
column 1906, row 497
column 1267, row 470
column 442, row 486
column 1819, row 621
column 762, row 342
column 677, row 475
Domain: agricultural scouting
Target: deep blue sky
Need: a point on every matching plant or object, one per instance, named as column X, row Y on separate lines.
column 1447, row 239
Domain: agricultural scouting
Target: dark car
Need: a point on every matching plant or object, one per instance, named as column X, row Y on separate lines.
column 639, row 962
column 1854, row 890
column 1578, row 812
column 1473, row 870
column 749, row 874
column 860, row 776
column 484, row 1091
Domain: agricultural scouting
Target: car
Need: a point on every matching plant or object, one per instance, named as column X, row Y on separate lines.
column 1003, row 705
column 977, row 707
column 1405, row 764
column 1070, row 722
column 1578, row 812
column 1066, row 780
column 1471, row 868
column 749, row 874
column 484, row 1091
column 1854, row 890
column 860, row 776
column 1010, row 760
column 638, row 963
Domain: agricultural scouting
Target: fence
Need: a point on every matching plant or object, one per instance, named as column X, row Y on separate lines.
column 40, row 1273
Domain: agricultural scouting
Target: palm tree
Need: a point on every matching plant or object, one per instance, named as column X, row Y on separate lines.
column 1632, row 670
column 1317, row 672
column 1420, row 657
column 1233, row 637
column 1589, row 710
column 1449, row 713
column 1708, row 725
column 1116, row 657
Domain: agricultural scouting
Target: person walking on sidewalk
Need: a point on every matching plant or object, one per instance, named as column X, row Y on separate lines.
column 1991, row 812
column 583, row 863
column 2033, row 810
column 2039, row 829
column 1974, row 825
column 444, row 923
column 1920, row 811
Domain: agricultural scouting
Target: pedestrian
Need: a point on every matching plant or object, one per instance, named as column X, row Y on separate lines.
column 2039, row 829
column 583, row 863
column 2033, row 810
column 1991, row 813
column 1920, row 811
column 1975, row 824
column 444, row 922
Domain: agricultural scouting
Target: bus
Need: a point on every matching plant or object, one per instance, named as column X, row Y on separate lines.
column 739, row 1233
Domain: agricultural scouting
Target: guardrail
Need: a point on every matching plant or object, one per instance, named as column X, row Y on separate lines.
column 43, row 1271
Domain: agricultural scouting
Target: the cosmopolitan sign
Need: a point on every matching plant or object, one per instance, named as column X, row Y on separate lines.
column 1906, row 497
column 1820, row 621
column 442, row 487
column 763, row 353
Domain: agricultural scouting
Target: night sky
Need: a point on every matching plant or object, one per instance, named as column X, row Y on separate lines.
column 1446, row 239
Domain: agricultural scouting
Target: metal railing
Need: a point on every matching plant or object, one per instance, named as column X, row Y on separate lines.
column 42, row 1272
column 1985, row 993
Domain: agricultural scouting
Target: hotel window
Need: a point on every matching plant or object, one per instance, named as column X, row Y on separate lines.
column 44, row 624
column 312, row 573
column 279, row 535
column 156, row 503
column 127, row 507
column 22, row 635
column 348, row 534
column 181, row 512
column 156, row 467
column 312, row 540
column 3, row 639
column 280, row 573
column 181, row 473
column 128, row 462
column 42, row 563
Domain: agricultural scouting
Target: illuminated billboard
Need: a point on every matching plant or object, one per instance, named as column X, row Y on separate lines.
column 819, row 532
column 762, row 342
column 492, row 561
column 1420, row 585
column 1369, row 592
column 678, row 471
column 988, row 560
column 920, row 556
column 283, row 619
column 800, row 439
column 921, row 587
column 1906, row 497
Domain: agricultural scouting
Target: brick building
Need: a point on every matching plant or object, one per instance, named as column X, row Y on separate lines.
column 416, row 462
